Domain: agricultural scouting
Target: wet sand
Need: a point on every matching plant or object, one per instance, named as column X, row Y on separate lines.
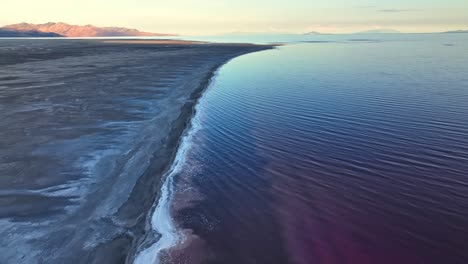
column 88, row 128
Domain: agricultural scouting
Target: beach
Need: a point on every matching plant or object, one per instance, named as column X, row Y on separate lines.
column 88, row 129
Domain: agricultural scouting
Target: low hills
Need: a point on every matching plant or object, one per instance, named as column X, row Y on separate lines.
column 67, row 30
column 456, row 31
column 8, row 33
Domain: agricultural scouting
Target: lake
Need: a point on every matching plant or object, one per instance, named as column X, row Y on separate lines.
column 331, row 149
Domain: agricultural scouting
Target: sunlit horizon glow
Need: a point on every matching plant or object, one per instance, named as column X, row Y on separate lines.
column 226, row 16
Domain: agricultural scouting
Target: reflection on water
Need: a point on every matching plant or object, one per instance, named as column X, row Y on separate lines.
column 334, row 153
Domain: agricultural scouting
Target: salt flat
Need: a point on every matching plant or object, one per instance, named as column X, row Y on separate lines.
column 88, row 127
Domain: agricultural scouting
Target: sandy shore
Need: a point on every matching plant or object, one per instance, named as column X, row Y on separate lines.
column 87, row 130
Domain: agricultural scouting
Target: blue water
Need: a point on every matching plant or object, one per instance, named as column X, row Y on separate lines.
column 340, row 150
column 324, row 38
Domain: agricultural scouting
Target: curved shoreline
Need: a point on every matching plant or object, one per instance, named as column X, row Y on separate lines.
column 169, row 237
column 104, row 123
column 160, row 219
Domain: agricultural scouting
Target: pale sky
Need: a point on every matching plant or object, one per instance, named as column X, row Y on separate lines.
column 224, row 16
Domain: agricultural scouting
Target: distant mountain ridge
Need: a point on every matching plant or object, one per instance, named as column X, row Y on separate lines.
column 312, row 33
column 6, row 33
column 67, row 30
column 456, row 31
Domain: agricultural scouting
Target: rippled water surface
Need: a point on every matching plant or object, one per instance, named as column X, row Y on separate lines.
column 333, row 152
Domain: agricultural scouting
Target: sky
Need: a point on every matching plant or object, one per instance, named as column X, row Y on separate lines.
column 204, row 17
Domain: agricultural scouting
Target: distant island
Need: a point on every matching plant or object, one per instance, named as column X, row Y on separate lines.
column 312, row 33
column 52, row 29
column 379, row 31
column 456, row 31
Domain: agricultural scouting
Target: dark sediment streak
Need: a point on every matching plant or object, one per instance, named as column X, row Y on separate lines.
column 88, row 129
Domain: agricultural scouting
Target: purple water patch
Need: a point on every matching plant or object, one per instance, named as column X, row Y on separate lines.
column 332, row 153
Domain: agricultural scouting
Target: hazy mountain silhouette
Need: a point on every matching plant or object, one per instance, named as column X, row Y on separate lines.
column 312, row 33
column 456, row 31
column 68, row 30
column 7, row 33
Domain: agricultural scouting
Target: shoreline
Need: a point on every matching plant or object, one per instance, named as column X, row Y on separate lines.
column 183, row 131
column 162, row 208
column 141, row 254
column 118, row 146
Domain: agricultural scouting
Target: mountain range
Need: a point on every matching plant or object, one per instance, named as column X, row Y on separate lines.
column 52, row 29
column 457, row 31
column 8, row 33
column 312, row 33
